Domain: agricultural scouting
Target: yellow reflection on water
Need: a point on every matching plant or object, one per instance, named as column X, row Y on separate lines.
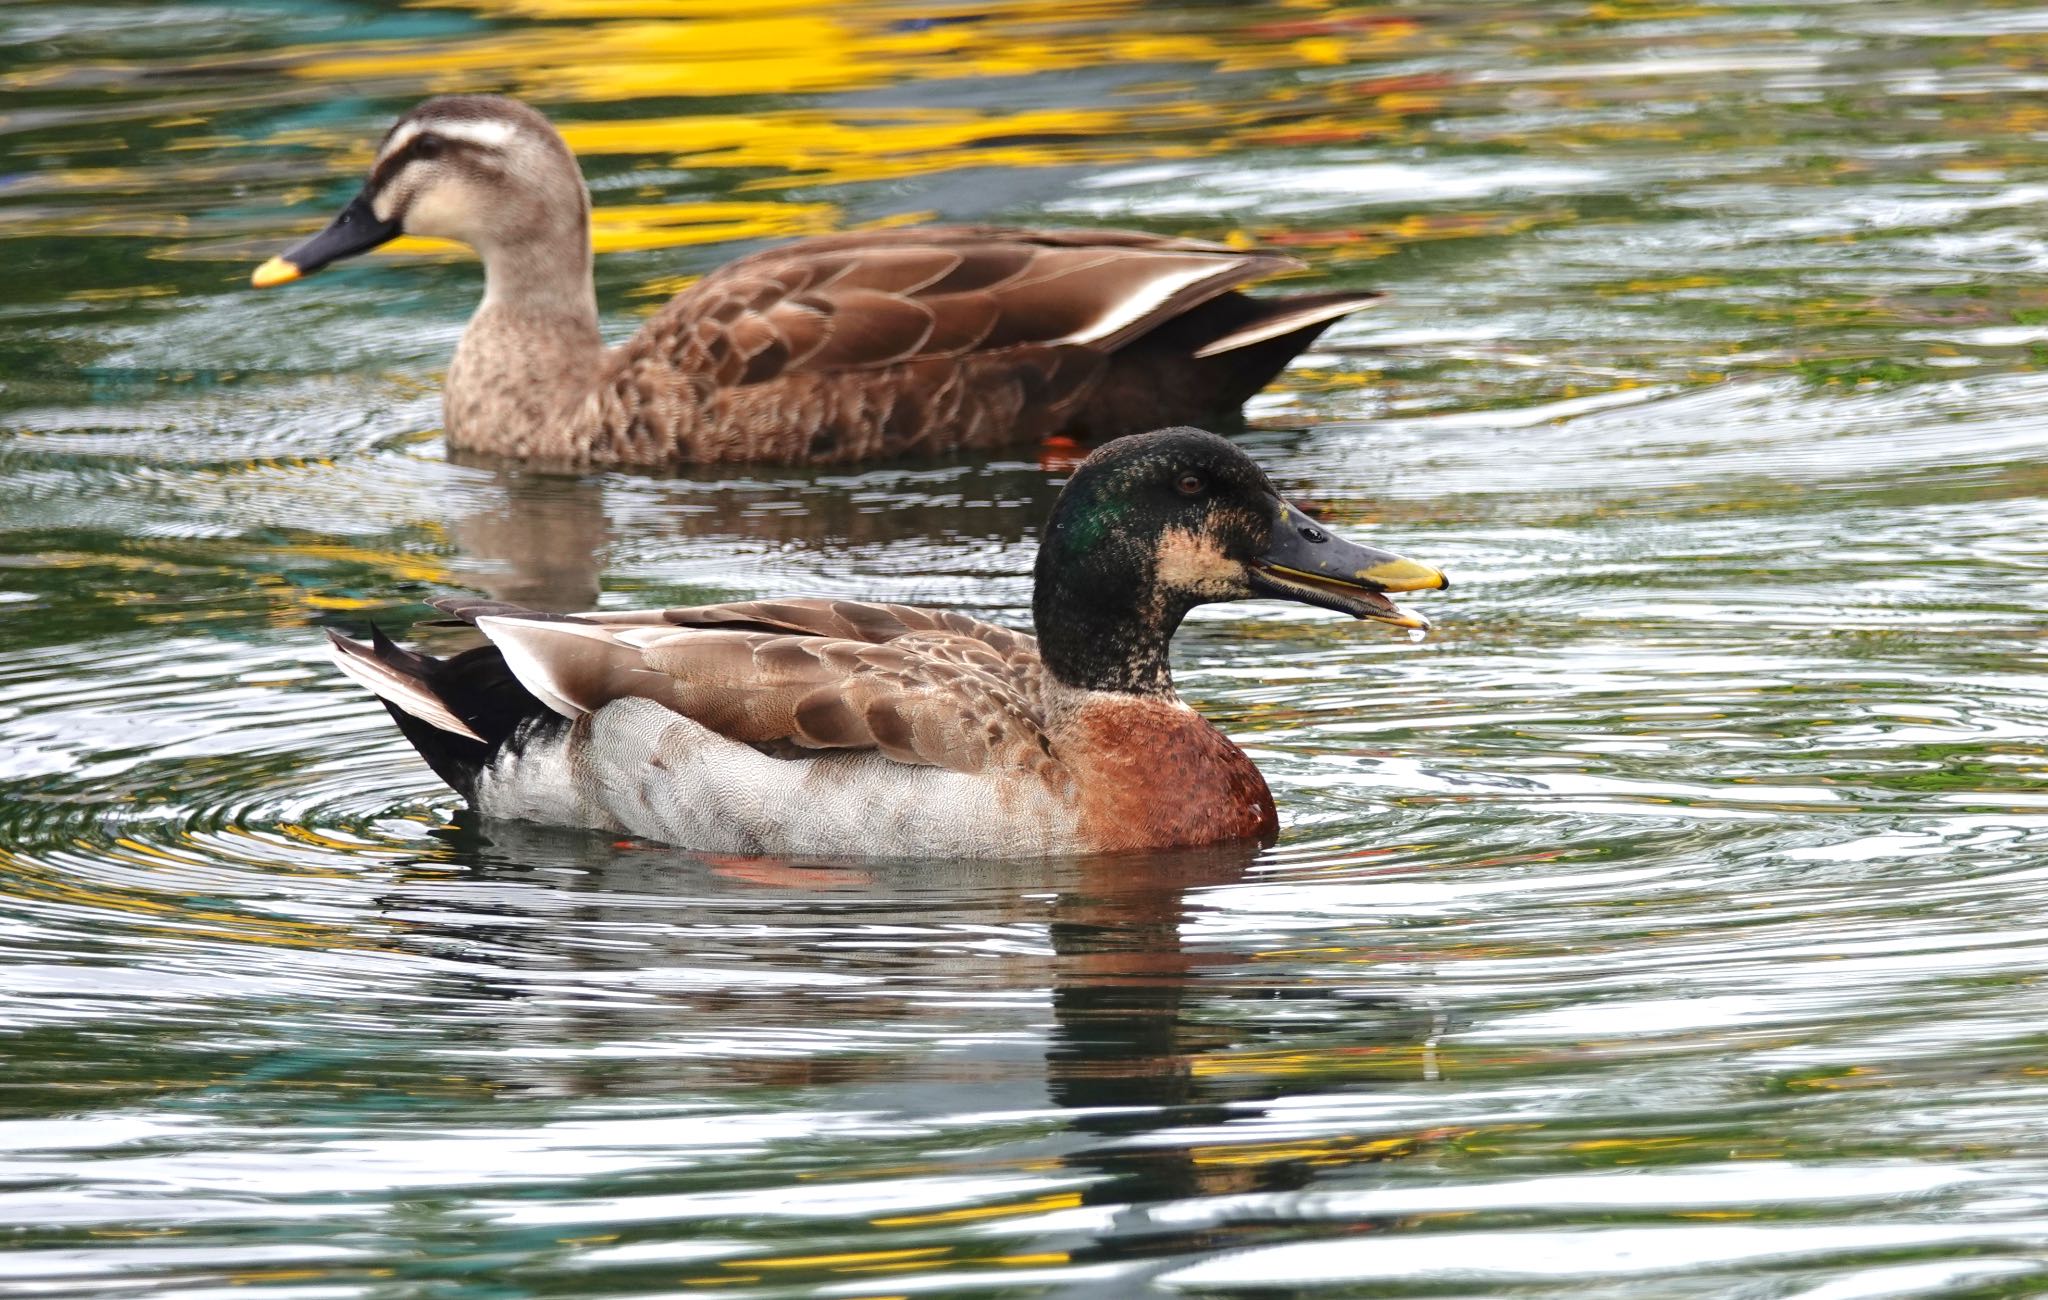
column 813, row 147
column 168, row 909
column 562, row 53
column 615, row 51
column 670, row 225
column 1009, row 1210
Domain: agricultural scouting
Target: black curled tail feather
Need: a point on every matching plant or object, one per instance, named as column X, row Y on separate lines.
column 1202, row 366
column 429, row 698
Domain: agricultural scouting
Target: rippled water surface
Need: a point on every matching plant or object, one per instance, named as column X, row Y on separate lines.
column 1669, row 923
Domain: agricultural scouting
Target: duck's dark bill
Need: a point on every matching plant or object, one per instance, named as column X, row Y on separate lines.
column 356, row 230
column 1359, row 602
column 1304, row 562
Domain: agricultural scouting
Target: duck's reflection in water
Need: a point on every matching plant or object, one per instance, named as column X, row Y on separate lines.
column 536, row 540
column 962, row 992
column 1160, row 1047
column 555, row 543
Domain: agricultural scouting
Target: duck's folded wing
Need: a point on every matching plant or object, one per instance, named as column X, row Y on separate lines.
column 930, row 698
column 843, row 620
column 886, row 298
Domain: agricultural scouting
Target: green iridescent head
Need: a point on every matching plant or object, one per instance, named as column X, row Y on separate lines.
column 1153, row 525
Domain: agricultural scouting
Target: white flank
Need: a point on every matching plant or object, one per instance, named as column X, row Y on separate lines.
column 1285, row 324
column 638, row 767
column 389, row 684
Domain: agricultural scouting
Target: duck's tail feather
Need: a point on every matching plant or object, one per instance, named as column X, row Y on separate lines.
column 456, row 711
column 463, row 610
column 1202, row 366
column 400, row 678
column 1263, row 319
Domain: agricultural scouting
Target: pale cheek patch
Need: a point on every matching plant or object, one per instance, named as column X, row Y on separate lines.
column 1194, row 561
column 388, row 202
column 442, row 211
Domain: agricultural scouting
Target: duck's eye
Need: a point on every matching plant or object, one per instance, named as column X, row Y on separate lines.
column 1189, row 485
column 428, row 146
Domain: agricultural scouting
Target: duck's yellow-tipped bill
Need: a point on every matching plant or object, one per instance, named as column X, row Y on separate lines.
column 1304, row 562
column 1338, row 594
column 1399, row 574
column 275, row 271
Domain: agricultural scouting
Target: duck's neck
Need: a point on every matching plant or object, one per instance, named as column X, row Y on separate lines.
column 531, row 352
column 547, row 269
column 1103, row 622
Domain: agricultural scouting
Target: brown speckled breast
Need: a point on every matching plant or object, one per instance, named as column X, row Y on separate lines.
column 1155, row 774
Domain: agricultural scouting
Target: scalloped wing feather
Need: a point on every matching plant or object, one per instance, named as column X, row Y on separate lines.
column 881, row 298
column 920, row 687
column 891, row 343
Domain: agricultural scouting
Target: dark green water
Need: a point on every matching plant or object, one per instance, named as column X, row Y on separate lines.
column 1670, row 923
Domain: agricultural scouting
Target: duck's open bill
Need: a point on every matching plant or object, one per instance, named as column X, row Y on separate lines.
column 1305, row 562
column 356, row 229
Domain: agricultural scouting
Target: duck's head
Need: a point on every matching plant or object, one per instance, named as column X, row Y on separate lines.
column 1151, row 526
column 481, row 170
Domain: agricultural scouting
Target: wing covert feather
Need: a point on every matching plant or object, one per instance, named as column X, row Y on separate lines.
column 875, row 299
column 924, row 687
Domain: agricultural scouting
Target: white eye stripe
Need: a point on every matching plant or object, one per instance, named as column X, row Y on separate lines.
column 399, row 139
column 488, row 134
column 491, row 135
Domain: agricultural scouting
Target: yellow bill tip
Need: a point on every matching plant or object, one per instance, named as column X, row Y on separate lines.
column 275, row 271
column 1404, row 575
column 1407, row 618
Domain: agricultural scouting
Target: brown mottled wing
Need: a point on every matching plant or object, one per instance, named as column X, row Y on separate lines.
column 928, row 696
column 885, row 298
column 845, row 620
column 989, row 332
column 1015, row 653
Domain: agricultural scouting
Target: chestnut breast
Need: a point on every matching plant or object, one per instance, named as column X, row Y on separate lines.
column 1155, row 774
